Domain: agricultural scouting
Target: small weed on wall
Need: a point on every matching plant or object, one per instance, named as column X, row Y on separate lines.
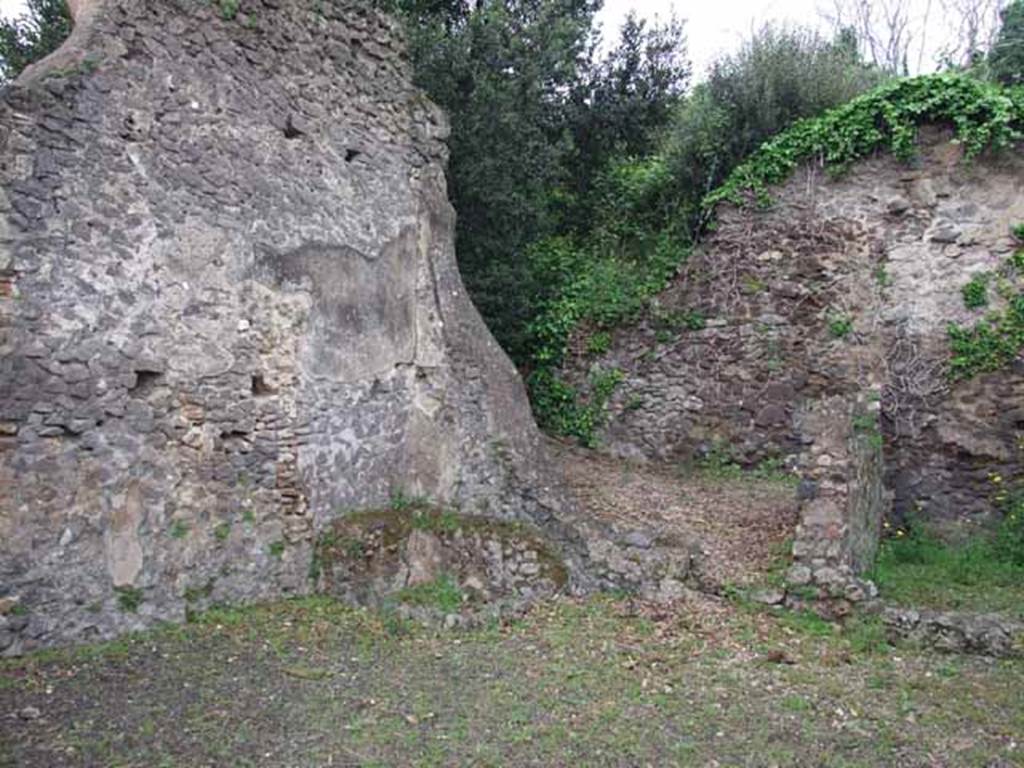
column 997, row 340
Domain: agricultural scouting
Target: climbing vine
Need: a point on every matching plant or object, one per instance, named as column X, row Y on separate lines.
column 983, row 116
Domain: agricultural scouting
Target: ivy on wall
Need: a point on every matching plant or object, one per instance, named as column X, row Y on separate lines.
column 982, row 115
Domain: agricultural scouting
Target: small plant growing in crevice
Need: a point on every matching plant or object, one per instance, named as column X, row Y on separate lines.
column 773, row 470
column 228, row 9
column 400, row 501
column 840, row 326
column 1017, row 261
column 276, row 549
column 634, row 403
column 129, row 598
column 678, row 320
column 882, row 276
column 179, row 529
column 195, row 594
column 599, row 343
column 718, row 462
column 866, row 425
column 975, row 293
column 222, row 531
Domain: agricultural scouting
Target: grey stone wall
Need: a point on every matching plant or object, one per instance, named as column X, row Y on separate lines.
column 229, row 313
column 826, row 337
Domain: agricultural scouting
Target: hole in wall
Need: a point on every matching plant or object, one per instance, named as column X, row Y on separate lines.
column 351, row 154
column 290, row 131
column 260, row 388
column 145, row 382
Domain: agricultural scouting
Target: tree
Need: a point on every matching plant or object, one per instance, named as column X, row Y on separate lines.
column 1006, row 59
column 885, row 30
column 503, row 70
column 779, row 76
column 625, row 100
column 974, row 25
column 33, row 35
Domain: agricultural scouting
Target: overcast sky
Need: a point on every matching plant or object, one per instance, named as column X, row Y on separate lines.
column 712, row 27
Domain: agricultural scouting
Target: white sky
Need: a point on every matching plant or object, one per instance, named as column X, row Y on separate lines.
column 712, row 27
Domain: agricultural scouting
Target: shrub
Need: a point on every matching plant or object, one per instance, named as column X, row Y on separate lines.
column 781, row 75
column 1006, row 59
column 991, row 344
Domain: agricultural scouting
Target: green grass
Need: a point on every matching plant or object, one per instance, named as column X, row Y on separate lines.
column 129, row 599
column 588, row 683
column 442, row 593
column 435, row 519
column 920, row 570
column 720, row 465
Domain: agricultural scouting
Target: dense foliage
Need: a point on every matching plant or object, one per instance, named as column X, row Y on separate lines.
column 777, row 78
column 1006, row 60
column 599, row 280
column 30, row 37
column 536, row 114
column 643, row 213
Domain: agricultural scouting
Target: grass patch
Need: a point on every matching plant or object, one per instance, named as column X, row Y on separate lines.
column 276, row 549
column 588, row 683
column 435, row 520
column 720, row 464
column 129, row 598
column 984, row 573
column 442, row 593
column 975, row 292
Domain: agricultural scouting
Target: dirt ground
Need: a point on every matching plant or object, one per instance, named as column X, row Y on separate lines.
column 744, row 523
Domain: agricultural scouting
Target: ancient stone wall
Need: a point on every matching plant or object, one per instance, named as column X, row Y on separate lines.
column 826, row 337
column 229, row 313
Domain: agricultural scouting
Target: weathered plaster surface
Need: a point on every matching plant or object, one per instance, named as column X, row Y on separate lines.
column 229, row 313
